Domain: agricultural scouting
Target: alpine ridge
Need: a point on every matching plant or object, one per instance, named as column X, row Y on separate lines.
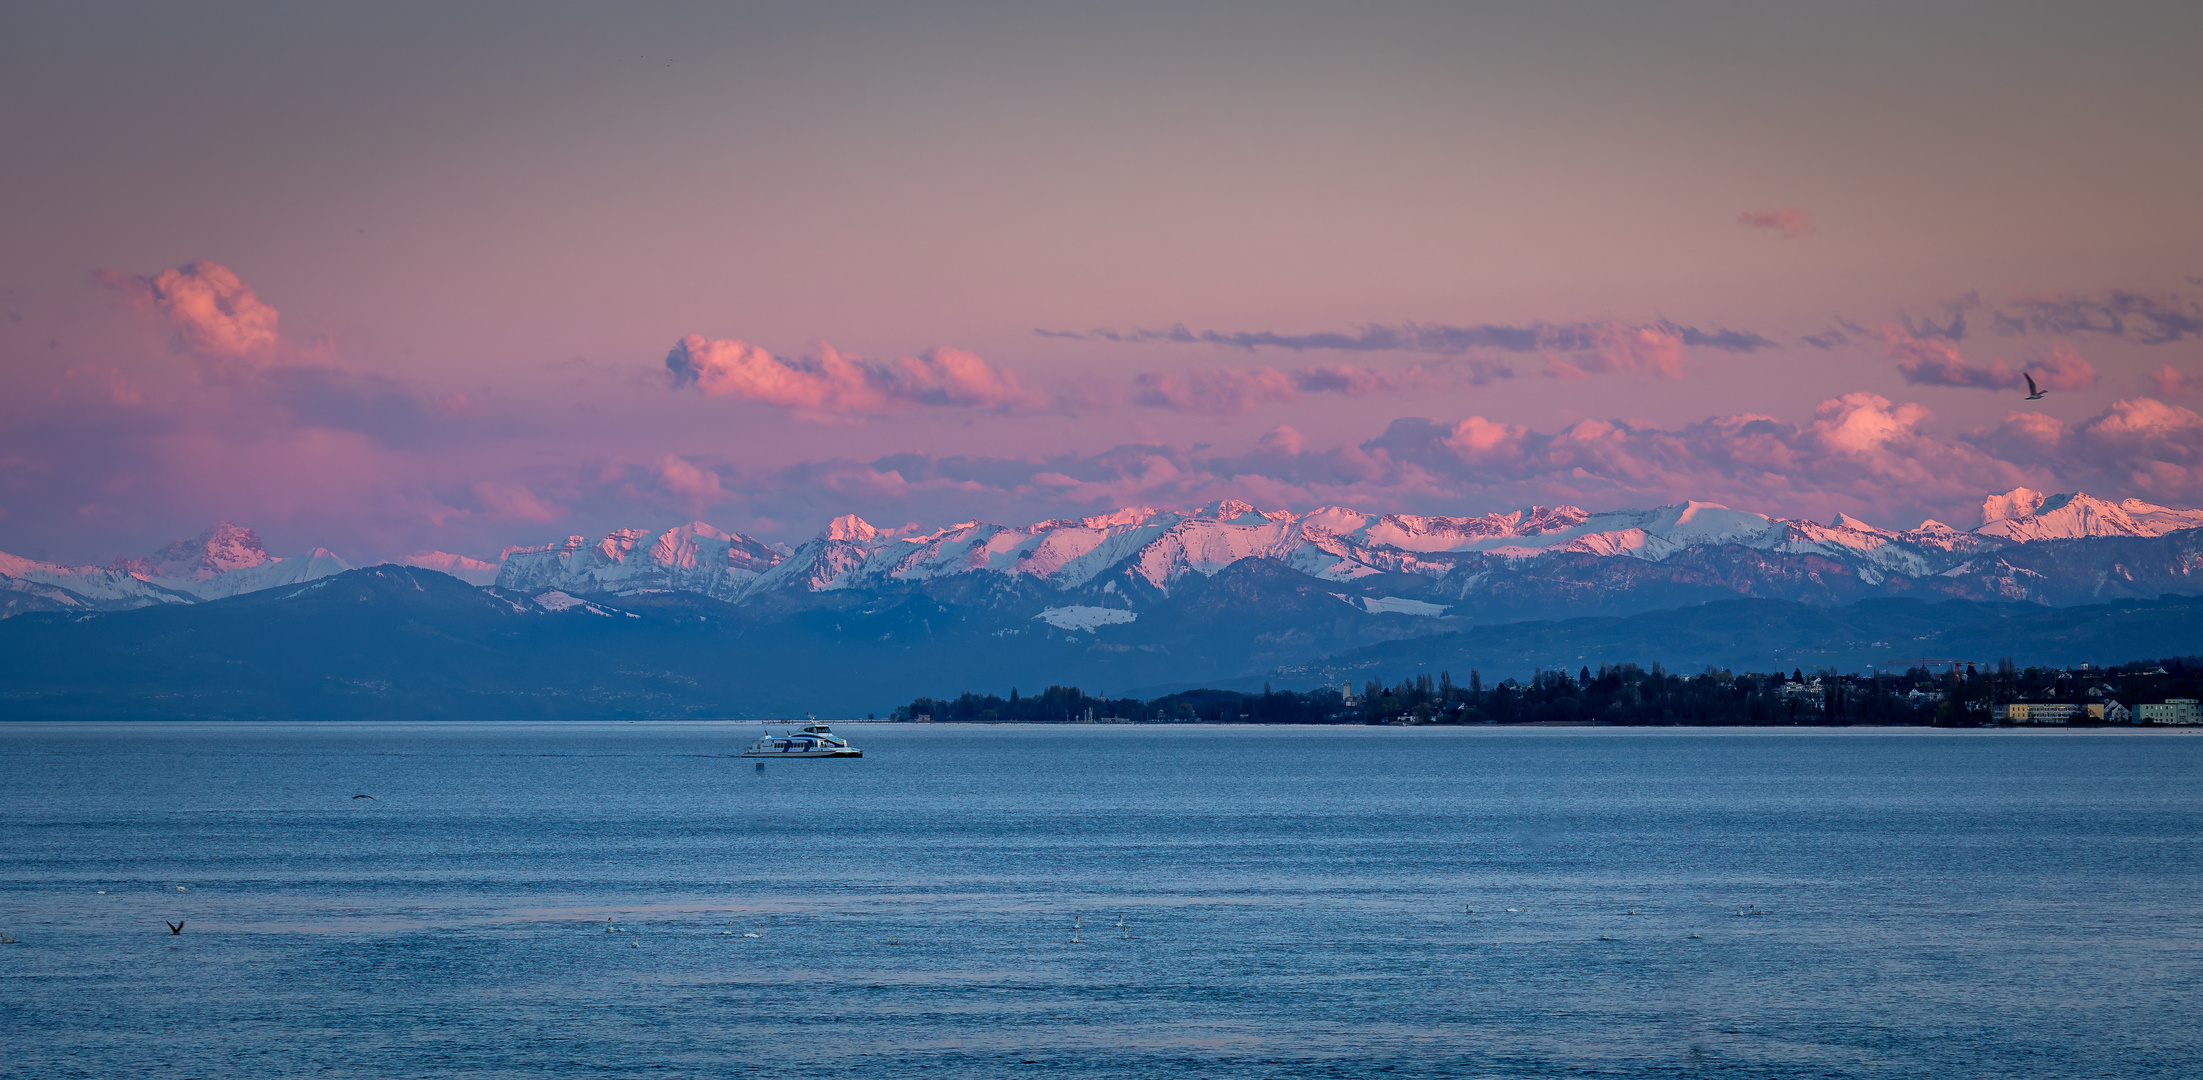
column 1533, row 562
column 227, row 560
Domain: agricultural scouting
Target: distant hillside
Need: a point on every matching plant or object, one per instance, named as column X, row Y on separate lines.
column 393, row 642
column 1771, row 635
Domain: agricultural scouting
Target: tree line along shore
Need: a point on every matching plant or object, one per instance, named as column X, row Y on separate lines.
column 1953, row 695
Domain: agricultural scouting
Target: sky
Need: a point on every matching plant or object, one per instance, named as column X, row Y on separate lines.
column 392, row 278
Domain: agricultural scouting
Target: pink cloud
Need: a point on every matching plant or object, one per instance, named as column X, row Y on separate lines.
column 701, row 487
column 2064, row 369
column 2028, row 438
column 1283, row 440
column 1606, row 348
column 951, row 376
column 1929, row 362
column 2168, row 381
column 1789, row 221
column 1860, row 450
column 212, row 311
column 1479, row 440
column 1863, row 423
column 831, row 385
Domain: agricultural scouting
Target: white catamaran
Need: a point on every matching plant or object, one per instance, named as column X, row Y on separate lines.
column 815, row 740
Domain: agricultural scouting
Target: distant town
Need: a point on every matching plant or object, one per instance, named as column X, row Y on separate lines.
column 1947, row 694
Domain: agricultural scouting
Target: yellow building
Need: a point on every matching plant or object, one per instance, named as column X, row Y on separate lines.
column 2035, row 712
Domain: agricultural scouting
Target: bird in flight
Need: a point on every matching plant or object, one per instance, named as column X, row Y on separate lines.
column 2033, row 393
column 378, row 800
column 174, row 927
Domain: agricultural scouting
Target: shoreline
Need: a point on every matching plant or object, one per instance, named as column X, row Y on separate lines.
column 1150, row 726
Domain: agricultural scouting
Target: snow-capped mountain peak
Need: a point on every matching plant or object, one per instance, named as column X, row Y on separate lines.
column 2030, row 515
column 1235, row 512
column 850, row 528
column 218, row 550
column 1852, row 524
column 681, row 545
column 1132, row 515
column 688, row 558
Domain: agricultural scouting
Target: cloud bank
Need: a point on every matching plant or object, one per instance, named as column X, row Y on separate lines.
column 1571, row 350
column 234, row 423
column 1226, row 391
column 1926, row 362
column 833, row 386
column 2142, row 318
column 1859, row 453
column 1442, row 340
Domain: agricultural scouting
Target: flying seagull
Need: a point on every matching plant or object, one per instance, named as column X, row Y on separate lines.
column 2032, row 392
column 366, row 797
column 174, row 927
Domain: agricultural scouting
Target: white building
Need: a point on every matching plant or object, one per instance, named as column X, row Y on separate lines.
column 2174, row 711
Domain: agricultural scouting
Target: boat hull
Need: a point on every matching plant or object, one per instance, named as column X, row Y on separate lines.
column 852, row 752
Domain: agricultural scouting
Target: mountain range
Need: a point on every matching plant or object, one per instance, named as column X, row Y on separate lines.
column 673, row 621
column 223, row 561
column 1539, row 562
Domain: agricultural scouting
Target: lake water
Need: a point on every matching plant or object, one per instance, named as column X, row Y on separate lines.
column 1335, row 902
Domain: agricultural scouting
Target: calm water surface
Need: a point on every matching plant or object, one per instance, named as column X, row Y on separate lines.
column 1313, row 902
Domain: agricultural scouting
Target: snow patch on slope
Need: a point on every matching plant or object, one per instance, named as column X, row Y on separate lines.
column 554, row 600
column 1393, row 605
column 1400, row 605
column 1084, row 617
column 471, row 571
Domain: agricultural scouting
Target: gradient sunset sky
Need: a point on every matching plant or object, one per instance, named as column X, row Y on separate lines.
column 396, row 277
